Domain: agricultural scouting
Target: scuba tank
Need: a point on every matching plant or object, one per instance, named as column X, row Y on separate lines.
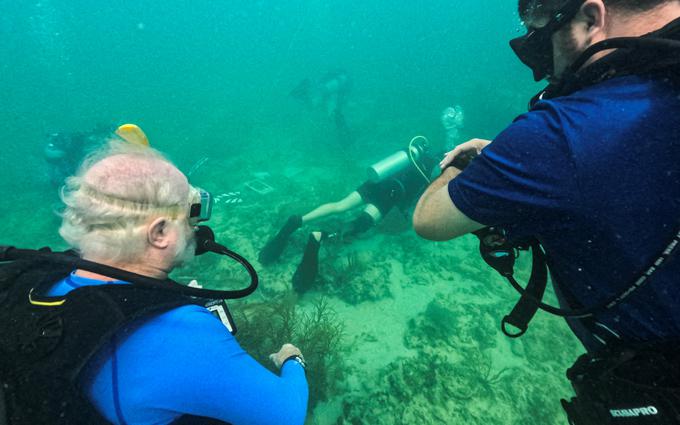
column 398, row 161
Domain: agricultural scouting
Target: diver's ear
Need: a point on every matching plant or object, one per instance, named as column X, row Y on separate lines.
column 594, row 14
column 157, row 233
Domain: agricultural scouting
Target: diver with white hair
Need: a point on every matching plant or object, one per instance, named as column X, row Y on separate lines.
column 106, row 336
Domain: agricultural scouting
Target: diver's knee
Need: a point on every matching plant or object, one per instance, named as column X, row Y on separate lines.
column 368, row 218
column 373, row 212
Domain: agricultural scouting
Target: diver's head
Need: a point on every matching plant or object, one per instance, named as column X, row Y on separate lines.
column 558, row 31
column 336, row 81
column 130, row 207
column 57, row 147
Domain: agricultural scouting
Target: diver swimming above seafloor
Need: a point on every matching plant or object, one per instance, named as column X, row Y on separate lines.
column 64, row 151
column 394, row 181
column 588, row 179
column 102, row 335
column 330, row 94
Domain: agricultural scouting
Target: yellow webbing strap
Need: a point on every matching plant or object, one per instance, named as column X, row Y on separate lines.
column 44, row 303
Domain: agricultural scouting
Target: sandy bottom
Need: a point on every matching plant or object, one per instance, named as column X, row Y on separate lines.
column 421, row 320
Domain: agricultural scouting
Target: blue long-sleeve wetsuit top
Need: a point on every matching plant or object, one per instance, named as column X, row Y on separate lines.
column 595, row 175
column 185, row 362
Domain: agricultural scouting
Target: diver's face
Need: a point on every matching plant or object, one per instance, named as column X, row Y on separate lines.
column 53, row 153
column 184, row 243
column 566, row 50
column 55, row 149
column 564, row 45
column 584, row 29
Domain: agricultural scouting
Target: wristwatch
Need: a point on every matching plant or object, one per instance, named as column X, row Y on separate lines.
column 296, row 358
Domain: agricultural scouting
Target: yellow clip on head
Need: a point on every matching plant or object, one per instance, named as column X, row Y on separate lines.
column 132, row 134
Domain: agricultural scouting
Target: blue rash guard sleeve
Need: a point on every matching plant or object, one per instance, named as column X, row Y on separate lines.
column 185, row 362
column 521, row 177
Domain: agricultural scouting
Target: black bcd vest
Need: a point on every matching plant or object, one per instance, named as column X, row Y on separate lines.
column 45, row 343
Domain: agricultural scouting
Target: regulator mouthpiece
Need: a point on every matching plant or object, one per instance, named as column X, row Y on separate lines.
column 205, row 240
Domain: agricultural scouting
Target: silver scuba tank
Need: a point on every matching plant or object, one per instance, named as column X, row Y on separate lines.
column 393, row 164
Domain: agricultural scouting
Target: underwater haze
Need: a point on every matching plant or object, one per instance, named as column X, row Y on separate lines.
column 397, row 330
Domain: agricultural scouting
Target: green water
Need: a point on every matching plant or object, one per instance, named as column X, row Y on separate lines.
column 210, row 79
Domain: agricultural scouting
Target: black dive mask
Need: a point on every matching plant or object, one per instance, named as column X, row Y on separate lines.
column 535, row 48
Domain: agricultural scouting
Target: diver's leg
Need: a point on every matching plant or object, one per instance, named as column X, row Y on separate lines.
column 368, row 218
column 307, row 271
column 352, row 200
column 274, row 247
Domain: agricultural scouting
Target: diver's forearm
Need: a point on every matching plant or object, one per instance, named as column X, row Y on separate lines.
column 444, row 178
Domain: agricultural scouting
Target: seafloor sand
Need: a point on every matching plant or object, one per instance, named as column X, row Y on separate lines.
column 421, row 339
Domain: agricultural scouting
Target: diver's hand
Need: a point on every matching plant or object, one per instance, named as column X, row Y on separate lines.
column 475, row 145
column 286, row 351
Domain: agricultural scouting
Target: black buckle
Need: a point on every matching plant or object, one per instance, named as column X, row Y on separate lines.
column 496, row 251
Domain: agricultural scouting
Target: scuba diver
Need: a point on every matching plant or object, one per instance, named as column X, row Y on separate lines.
column 330, row 94
column 64, row 152
column 588, row 180
column 395, row 181
column 105, row 336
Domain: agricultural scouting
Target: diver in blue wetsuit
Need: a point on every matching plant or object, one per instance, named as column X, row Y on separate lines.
column 589, row 179
column 171, row 361
column 184, row 362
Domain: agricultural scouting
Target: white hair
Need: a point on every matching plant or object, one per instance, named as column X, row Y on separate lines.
column 115, row 193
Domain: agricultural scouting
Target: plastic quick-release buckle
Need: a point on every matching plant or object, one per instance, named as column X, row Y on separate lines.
column 220, row 310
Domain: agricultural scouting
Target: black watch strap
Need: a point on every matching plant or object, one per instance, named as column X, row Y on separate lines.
column 296, row 358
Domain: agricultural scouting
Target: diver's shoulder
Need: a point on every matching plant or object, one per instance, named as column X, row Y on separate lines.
column 624, row 88
column 190, row 315
column 625, row 96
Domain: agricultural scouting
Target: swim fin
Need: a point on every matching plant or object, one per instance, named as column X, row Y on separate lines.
column 273, row 249
column 308, row 270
